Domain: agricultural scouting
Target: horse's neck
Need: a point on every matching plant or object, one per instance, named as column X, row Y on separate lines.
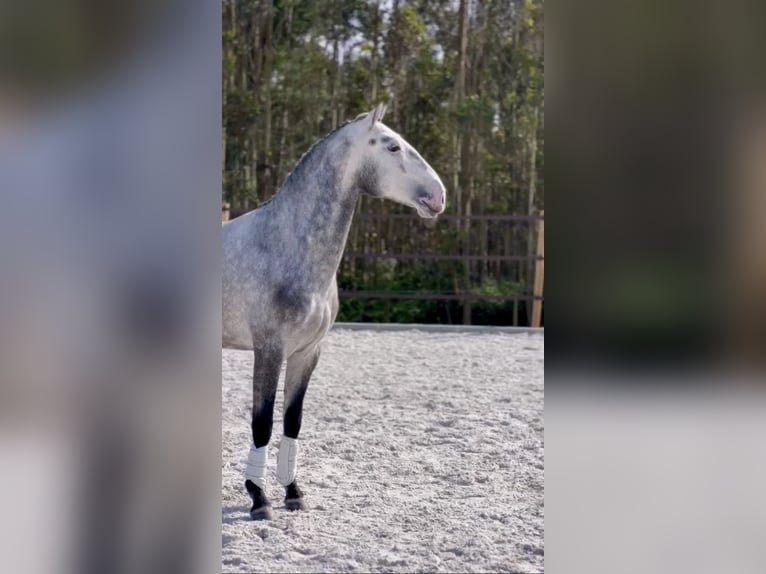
column 314, row 208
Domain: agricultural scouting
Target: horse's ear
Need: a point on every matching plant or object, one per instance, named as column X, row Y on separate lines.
column 377, row 114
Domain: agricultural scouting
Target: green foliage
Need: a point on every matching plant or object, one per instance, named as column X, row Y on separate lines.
column 497, row 312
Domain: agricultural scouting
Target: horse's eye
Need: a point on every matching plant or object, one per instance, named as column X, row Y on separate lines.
column 393, row 148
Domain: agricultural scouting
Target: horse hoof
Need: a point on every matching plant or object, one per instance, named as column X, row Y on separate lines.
column 262, row 513
column 294, row 497
column 295, row 504
column 261, row 509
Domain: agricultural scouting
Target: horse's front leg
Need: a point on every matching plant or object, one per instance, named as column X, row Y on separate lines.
column 300, row 366
column 268, row 363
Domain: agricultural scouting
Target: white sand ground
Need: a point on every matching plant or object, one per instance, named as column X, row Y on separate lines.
column 421, row 452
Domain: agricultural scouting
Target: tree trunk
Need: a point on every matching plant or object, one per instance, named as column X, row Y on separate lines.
column 268, row 59
column 531, row 195
column 335, row 82
column 279, row 172
column 374, row 55
column 458, row 142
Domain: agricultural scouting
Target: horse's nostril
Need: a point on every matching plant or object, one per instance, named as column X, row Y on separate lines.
column 423, row 193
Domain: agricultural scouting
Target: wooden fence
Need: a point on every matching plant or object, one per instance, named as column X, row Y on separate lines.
column 466, row 260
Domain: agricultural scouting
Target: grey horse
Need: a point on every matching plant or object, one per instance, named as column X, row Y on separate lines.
column 280, row 296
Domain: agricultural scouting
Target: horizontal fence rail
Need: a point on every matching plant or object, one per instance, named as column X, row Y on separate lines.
column 480, row 218
column 435, row 296
column 437, row 257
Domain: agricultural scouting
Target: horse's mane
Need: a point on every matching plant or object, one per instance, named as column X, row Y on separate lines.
column 319, row 142
column 305, row 157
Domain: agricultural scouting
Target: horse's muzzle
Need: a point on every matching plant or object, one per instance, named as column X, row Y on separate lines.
column 432, row 200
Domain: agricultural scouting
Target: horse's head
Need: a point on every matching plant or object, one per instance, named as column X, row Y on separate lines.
column 387, row 166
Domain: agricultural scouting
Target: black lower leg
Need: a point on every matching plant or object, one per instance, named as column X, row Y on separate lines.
column 292, row 426
column 262, row 422
column 299, row 371
column 265, row 379
column 294, row 414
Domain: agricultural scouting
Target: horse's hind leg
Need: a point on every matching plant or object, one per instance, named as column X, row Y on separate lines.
column 300, row 366
column 268, row 362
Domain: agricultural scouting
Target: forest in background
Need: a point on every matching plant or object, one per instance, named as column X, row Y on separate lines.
column 463, row 80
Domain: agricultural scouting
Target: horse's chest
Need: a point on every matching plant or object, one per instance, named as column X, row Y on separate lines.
column 308, row 317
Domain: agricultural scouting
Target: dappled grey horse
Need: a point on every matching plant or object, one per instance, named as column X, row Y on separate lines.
column 280, row 296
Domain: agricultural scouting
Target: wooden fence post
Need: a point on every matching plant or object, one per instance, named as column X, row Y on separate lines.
column 225, row 212
column 537, row 304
